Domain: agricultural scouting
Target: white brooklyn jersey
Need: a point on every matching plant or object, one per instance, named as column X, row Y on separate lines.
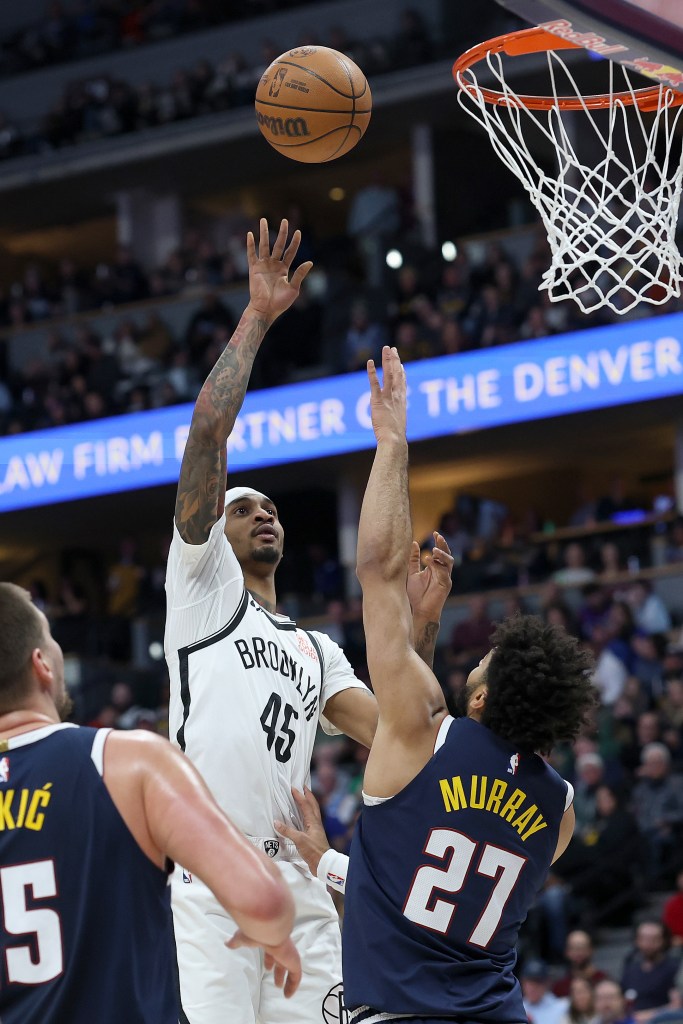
column 247, row 687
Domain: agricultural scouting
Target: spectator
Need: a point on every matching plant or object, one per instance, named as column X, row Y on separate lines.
column 601, row 865
column 610, row 1004
column 542, row 1007
column 650, row 971
column 610, row 672
column 611, row 504
column 364, row 338
column 579, row 955
column 658, row 807
column 674, row 546
column 611, row 565
column 649, row 611
column 575, row 572
column 470, row 638
column 672, row 914
column 671, row 703
column 590, row 773
column 200, row 330
column 581, row 1002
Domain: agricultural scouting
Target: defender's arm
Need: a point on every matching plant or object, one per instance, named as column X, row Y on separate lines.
column 411, row 703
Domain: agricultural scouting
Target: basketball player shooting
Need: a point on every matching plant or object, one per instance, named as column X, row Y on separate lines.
column 248, row 686
column 90, row 818
column 462, row 818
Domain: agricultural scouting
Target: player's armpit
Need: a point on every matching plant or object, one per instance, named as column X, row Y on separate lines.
column 566, row 832
column 354, row 712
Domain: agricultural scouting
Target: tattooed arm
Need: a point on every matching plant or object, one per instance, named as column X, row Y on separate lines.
column 201, row 487
column 427, row 590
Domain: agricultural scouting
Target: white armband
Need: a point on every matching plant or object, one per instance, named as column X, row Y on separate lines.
column 333, row 868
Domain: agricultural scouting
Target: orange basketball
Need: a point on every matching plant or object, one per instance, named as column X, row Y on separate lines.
column 313, row 104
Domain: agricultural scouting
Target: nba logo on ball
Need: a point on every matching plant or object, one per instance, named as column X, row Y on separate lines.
column 333, row 1006
column 313, row 104
column 271, row 846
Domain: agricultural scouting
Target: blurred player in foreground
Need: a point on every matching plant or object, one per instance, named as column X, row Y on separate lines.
column 462, row 817
column 248, row 686
column 88, row 821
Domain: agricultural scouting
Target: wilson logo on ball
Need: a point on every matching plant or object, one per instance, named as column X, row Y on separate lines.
column 292, row 127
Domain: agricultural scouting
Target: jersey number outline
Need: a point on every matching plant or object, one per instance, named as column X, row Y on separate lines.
column 502, row 865
column 45, row 924
column 269, row 723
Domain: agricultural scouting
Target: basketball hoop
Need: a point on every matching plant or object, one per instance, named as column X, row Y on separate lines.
column 611, row 224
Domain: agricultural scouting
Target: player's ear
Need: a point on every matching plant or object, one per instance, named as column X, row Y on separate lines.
column 478, row 699
column 42, row 670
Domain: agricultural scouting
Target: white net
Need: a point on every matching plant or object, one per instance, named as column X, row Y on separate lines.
column 611, row 224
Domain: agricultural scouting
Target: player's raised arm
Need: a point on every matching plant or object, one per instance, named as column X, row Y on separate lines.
column 411, row 703
column 201, row 487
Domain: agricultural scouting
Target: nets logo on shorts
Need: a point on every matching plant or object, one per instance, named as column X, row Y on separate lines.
column 272, row 847
column 333, row 1006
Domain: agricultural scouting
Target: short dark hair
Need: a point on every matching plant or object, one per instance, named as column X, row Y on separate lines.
column 21, row 631
column 539, row 683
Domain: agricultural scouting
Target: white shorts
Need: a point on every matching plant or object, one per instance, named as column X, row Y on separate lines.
column 224, row 986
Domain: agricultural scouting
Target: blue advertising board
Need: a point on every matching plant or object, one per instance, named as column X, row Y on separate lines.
column 569, row 373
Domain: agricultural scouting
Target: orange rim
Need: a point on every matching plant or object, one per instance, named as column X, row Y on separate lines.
column 537, row 40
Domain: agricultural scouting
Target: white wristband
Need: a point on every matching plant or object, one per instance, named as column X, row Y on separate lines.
column 333, row 868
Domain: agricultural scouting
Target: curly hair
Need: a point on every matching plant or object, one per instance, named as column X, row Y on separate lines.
column 539, row 683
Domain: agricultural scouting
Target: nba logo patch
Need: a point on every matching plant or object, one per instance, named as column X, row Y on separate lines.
column 4, row 769
column 271, row 847
column 187, row 877
column 514, row 764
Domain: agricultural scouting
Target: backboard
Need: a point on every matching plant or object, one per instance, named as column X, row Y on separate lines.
column 646, row 35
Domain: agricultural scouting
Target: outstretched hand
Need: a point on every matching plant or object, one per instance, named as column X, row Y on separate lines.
column 388, row 399
column 428, row 588
column 311, row 841
column 271, row 291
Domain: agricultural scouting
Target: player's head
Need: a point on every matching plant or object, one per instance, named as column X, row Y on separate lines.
column 534, row 687
column 31, row 660
column 254, row 530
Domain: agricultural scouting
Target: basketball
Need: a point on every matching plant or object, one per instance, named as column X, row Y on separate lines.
column 313, row 104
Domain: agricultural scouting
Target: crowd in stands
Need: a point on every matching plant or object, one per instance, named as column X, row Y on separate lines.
column 102, row 106
column 91, row 28
column 427, row 308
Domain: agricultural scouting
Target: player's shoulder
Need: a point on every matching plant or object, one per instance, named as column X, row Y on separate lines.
column 180, row 547
column 140, row 744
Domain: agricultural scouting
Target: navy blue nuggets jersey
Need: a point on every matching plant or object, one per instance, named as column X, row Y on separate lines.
column 441, row 877
column 85, row 922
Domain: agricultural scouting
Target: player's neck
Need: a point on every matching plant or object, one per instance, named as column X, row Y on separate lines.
column 25, row 720
column 263, row 591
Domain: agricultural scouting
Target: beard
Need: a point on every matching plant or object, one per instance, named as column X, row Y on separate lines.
column 460, row 703
column 64, row 705
column 268, row 554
